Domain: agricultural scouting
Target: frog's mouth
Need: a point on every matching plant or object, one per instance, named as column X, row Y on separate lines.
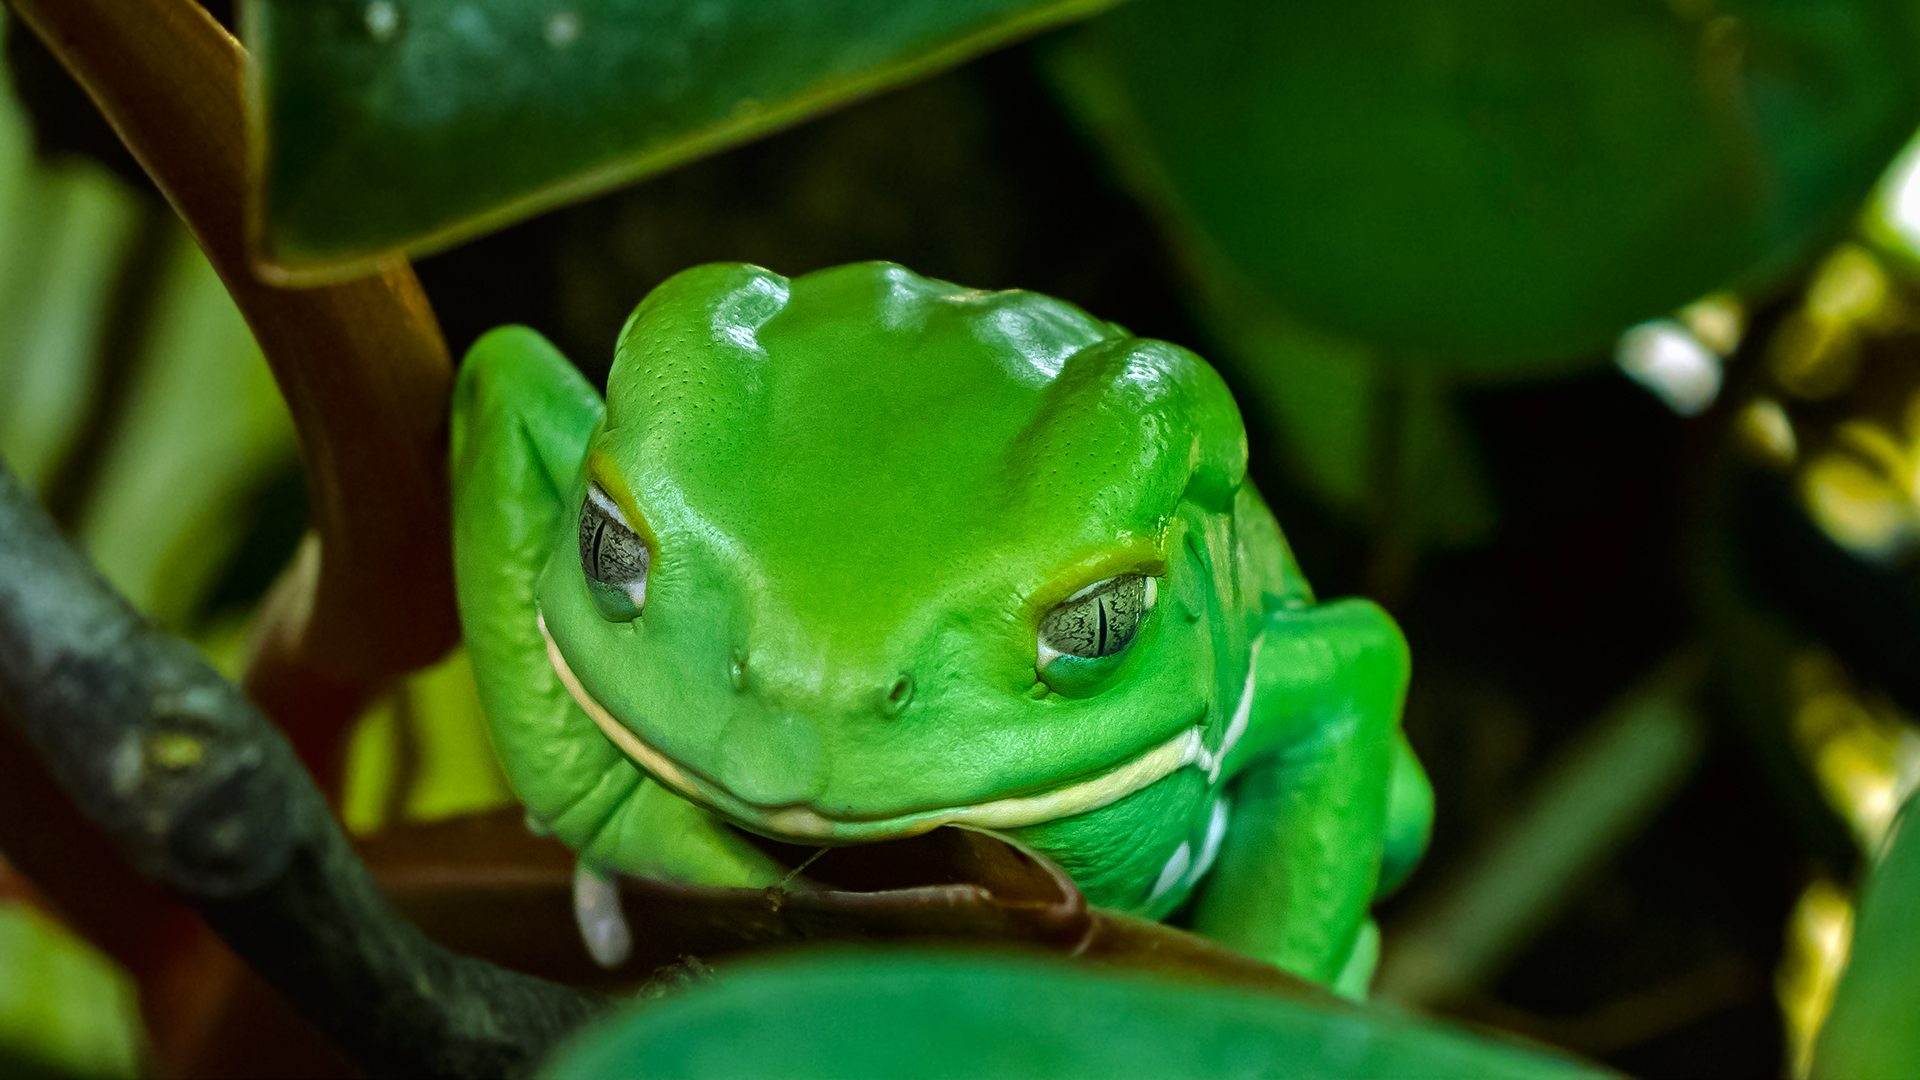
column 807, row 824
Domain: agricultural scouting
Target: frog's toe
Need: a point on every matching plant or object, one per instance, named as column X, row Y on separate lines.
column 596, row 910
column 1409, row 818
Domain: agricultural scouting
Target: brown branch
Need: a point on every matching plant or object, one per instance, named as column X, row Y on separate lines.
column 201, row 794
column 362, row 365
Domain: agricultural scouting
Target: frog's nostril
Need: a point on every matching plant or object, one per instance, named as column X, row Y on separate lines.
column 737, row 670
column 895, row 698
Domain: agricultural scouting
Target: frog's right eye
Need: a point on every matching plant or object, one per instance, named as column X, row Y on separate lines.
column 1098, row 621
column 613, row 556
column 1080, row 643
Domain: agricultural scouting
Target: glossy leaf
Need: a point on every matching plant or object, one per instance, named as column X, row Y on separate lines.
column 405, row 124
column 1497, row 183
column 904, row 1012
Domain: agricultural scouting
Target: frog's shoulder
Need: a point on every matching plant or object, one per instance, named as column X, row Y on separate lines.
column 1269, row 575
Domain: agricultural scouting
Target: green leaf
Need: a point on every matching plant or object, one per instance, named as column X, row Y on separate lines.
column 1871, row 1031
column 908, row 1013
column 199, row 420
column 423, row 754
column 62, row 229
column 393, row 124
column 204, row 424
column 1498, row 183
column 65, row 1010
column 1380, row 441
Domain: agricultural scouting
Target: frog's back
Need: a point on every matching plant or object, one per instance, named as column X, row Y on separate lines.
column 893, row 419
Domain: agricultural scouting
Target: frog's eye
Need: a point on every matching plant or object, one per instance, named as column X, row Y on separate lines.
column 1099, row 620
column 613, row 556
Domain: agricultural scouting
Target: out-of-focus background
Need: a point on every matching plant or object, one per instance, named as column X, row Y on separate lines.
column 1585, row 340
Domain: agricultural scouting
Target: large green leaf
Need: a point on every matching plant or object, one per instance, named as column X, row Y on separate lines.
column 1497, row 182
column 417, row 123
column 1381, row 442
column 1872, row 1031
column 908, row 1013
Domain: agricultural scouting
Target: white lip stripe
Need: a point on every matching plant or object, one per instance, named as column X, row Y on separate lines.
column 1242, row 713
column 648, row 758
column 1018, row 811
column 799, row 822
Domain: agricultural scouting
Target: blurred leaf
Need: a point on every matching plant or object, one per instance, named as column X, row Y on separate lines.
column 1499, row 183
column 1382, row 442
column 1824, row 514
column 402, row 124
column 204, row 424
column 203, row 420
column 65, row 1010
column 1594, row 797
column 1818, row 934
column 1871, row 1032
column 61, row 228
column 921, row 1013
column 423, row 754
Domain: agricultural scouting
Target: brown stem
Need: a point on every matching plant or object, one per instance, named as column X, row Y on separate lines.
column 362, row 365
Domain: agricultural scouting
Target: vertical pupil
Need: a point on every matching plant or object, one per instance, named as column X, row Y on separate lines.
column 609, row 552
column 599, row 563
column 1099, row 621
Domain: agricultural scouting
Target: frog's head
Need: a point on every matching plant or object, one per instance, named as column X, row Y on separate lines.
column 861, row 553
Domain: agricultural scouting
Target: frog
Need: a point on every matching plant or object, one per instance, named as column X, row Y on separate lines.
column 850, row 556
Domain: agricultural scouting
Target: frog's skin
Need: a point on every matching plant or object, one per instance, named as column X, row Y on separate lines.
column 853, row 503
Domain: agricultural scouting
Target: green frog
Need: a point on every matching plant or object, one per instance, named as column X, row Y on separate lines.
column 851, row 556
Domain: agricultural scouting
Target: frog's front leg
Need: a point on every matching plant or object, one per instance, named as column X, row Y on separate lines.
column 523, row 419
column 1310, row 821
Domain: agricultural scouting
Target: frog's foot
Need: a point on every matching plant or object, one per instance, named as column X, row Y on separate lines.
column 596, row 910
column 805, row 824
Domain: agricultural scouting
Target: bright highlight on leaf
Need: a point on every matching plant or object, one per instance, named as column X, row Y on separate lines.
column 1819, row 933
column 1668, row 360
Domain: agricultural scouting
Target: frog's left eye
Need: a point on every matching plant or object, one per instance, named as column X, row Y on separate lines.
column 613, row 557
column 1099, row 620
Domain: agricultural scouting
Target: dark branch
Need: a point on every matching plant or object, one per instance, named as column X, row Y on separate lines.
column 205, row 796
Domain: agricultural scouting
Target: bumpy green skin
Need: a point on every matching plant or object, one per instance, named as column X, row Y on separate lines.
column 864, row 490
